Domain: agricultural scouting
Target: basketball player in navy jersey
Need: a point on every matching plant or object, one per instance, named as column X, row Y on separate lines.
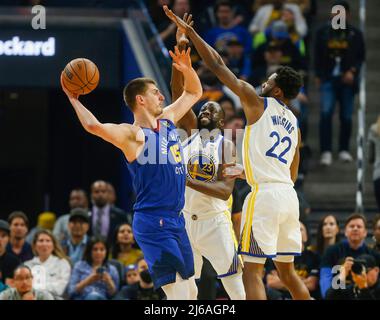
column 153, row 151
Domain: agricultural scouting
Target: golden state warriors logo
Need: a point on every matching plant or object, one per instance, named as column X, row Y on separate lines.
column 201, row 167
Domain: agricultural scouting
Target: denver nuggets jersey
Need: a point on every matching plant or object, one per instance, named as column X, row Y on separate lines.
column 269, row 145
column 158, row 173
column 202, row 159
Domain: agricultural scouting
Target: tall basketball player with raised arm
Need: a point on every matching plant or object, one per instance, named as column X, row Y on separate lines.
column 153, row 151
column 270, row 219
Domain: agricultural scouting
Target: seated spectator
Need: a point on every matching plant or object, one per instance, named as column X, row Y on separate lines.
column 327, row 234
column 279, row 40
column 125, row 248
column 374, row 157
column 266, row 60
column 131, row 274
column 77, row 199
column 75, row 245
column 376, row 233
column 51, row 263
column 344, row 252
column 8, row 261
column 143, row 289
column 23, row 287
column 94, row 278
column 306, row 266
column 111, row 200
column 269, row 13
column 104, row 217
column 19, row 224
column 365, row 281
column 236, row 59
column 45, row 221
column 296, row 34
column 226, row 30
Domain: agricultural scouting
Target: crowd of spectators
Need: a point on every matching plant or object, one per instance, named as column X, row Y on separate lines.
column 86, row 264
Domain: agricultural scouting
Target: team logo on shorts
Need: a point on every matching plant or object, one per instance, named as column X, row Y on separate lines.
column 201, row 167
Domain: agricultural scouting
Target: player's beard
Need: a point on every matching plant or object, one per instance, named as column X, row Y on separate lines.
column 209, row 126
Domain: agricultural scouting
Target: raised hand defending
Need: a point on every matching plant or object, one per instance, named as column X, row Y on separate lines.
column 181, row 37
column 181, row 60
column 181, row 24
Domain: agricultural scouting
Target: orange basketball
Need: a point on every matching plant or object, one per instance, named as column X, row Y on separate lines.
column 81, row 76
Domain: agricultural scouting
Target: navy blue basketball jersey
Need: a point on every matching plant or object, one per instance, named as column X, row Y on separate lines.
column 158, row 173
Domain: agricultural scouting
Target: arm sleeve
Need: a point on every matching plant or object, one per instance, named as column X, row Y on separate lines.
column 62, row 279
column 115, row 278
column 74, row 280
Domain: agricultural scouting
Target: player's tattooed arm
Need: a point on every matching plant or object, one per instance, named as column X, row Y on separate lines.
column 189, row 120
column 253, row 104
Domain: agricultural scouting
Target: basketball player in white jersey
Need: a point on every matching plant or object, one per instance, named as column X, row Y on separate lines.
column 270, row 221
column 208, row 194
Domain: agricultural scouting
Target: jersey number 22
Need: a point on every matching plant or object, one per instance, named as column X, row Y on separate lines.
column 278, row 140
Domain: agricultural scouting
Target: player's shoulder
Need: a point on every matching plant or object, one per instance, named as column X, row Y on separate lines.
column 132, row 132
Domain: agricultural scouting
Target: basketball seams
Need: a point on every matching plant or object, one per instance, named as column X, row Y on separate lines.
column 81, row 86
column 77, row 74
column 66, row 79
column 96, row 70
column 85, row 69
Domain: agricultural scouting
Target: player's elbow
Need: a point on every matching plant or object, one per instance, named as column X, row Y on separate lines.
column 93, row 127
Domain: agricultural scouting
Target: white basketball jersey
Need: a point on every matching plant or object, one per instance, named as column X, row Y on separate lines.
column 202, row 158
column 269, row 145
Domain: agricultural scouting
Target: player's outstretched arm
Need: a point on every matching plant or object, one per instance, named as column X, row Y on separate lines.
column 215, row 63
column 117, row 134
column 219, row 189
column 189, row 120
column 192, row 86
